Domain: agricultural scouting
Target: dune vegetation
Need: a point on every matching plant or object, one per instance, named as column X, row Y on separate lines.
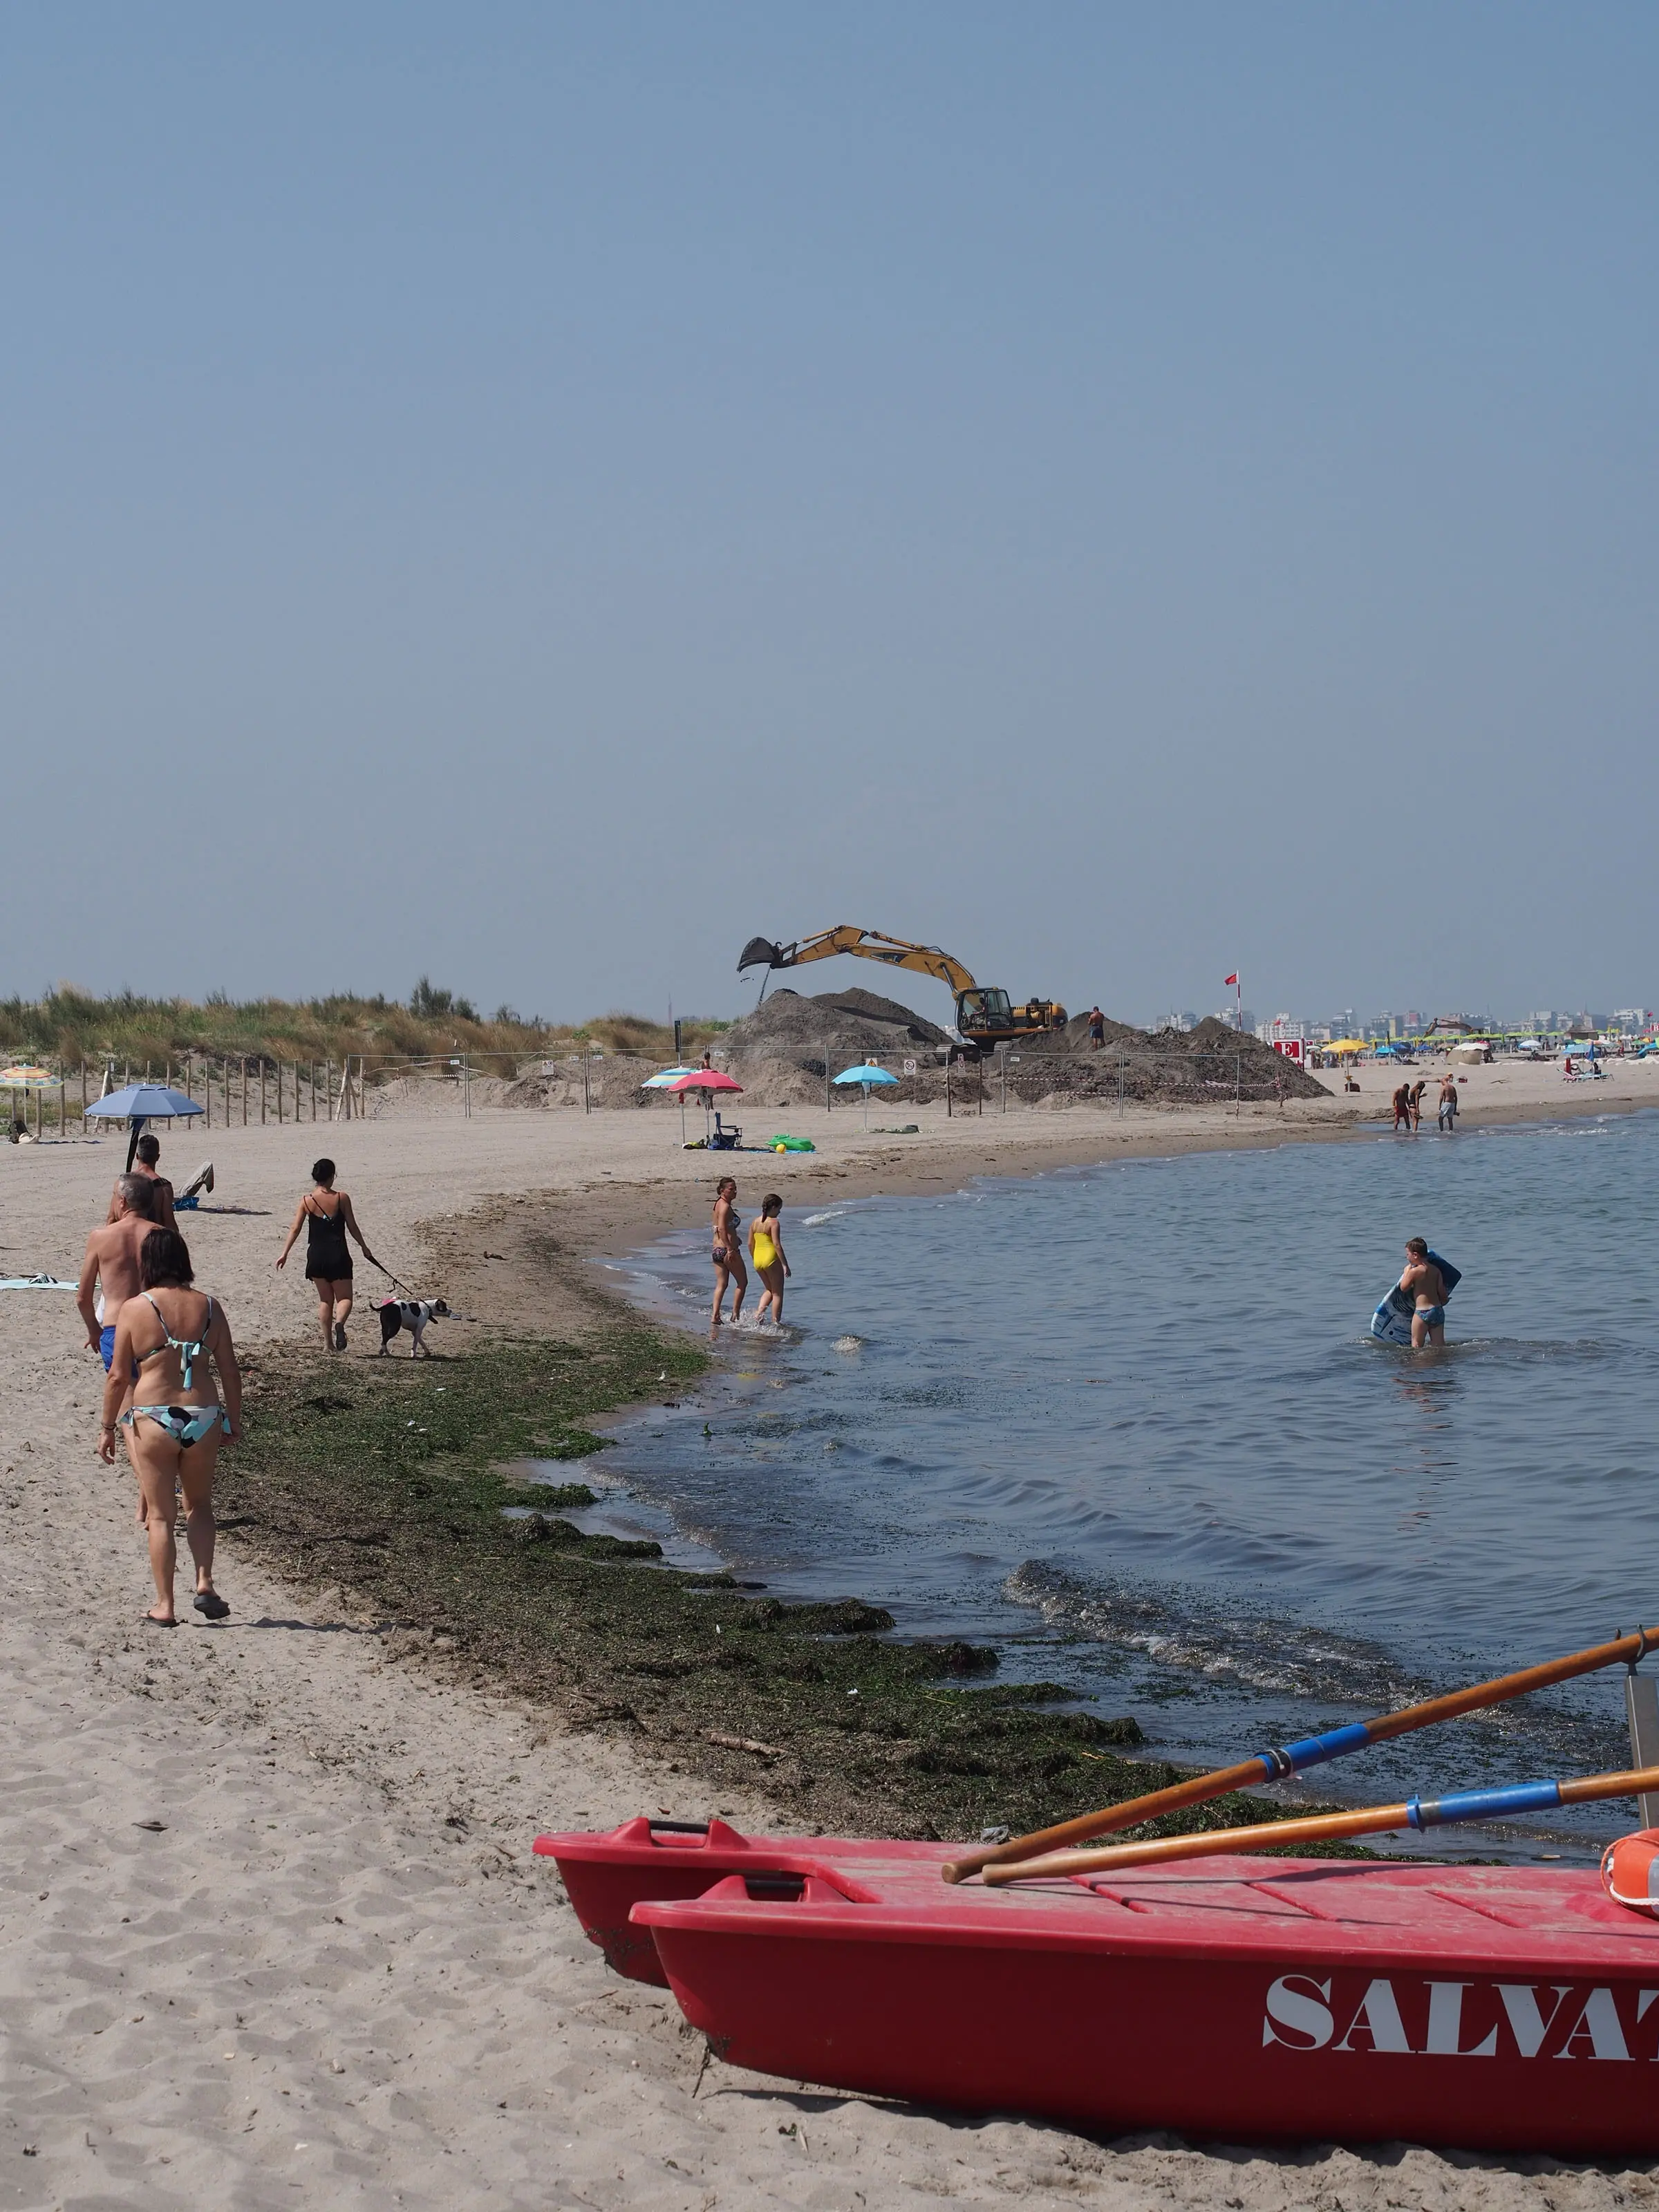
column 70, row 1029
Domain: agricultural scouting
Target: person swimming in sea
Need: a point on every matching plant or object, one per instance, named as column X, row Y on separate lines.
column 728, row 1253
column 766, row 1250
column 1422, row 1282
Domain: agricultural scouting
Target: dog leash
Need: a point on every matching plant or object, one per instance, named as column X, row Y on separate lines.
column 396, row 1283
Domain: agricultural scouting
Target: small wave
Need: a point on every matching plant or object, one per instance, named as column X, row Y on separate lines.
column 1200, row 1635
column 847, row 1344
column 818, row 1220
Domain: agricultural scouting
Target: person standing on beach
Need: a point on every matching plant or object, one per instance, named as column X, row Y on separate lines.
column 1418, row 1089
column 1422, row 1282
column 1402, row 1106
column 111, row 1263
column 1097, row 1028
column 145, row 1163
column 1448, row 1105
column 766, row 1250
column 166, row 1336
column 727, row 1254
column 327, row 1215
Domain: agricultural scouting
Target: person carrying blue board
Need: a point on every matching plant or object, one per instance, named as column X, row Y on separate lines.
column 1424, row 1285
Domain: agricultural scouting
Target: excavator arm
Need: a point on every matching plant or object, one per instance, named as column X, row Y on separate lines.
column 867, row 944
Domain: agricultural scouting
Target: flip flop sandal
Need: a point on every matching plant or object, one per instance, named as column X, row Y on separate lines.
column 153, row 1623
column 211, row 1605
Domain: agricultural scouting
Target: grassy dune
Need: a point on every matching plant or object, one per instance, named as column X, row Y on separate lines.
column 72, row 1028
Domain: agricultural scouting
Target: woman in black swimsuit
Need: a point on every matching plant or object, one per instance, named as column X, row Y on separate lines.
column 327, row 1215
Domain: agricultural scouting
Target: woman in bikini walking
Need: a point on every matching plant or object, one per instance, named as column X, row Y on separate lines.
column 164, row 1340
column 727, row 1254
column 327, row 1215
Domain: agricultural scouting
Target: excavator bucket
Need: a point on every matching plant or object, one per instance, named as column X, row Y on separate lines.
column 761, row 952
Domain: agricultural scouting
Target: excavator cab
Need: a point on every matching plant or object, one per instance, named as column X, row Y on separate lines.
column 984, row 1013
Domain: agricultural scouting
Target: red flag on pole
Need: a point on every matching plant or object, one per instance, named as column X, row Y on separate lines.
column 1228, row 979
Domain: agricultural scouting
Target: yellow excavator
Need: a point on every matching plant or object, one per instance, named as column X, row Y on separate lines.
column 986, row 1018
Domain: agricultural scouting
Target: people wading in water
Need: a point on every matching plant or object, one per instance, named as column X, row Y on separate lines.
column 327, row 1214
column 727, row 1254
column 1423, row 1283
column 766, row 1250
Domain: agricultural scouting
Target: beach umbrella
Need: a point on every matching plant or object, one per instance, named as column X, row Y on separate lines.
column 662, row 1080
column 28, row 1078
column 865, row 1075
column 706, row 1079
column 140, row 1102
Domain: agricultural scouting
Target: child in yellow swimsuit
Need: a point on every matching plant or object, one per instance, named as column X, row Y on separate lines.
column 766, row 1249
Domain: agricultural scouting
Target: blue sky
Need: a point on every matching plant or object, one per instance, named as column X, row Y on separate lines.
column 537, row 495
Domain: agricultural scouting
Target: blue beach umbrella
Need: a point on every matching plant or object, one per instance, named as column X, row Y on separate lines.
column 661, row 1081
column 140, row 1102
column 865, row 1076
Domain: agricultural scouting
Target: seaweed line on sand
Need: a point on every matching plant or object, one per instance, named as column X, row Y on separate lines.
column 388, row 1480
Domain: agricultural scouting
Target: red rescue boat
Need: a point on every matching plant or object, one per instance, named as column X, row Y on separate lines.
column 606, row 1876
column 1502, row 2009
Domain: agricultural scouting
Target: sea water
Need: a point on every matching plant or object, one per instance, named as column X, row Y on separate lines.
column 1126, row 1423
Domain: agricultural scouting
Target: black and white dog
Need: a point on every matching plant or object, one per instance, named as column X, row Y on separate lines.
column 411, row 1314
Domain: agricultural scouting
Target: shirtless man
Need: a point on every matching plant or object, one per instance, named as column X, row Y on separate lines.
column 111, row 1261
column 1422, row 1283
column 1448, row 1105
column 144, row 1163
column 1402, row 1106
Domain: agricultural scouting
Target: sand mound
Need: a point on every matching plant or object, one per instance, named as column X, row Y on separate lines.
column 788, row 1029
column 613, row 1079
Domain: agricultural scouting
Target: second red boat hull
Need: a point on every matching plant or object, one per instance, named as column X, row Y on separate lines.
column 1486, row 2008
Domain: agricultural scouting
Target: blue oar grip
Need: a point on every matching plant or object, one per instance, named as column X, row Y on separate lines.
column 1336, row 1743
column 1483, row 1804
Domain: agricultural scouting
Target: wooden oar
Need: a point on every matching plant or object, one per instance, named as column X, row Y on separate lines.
column 1374, row 1820
column 1293, row 1758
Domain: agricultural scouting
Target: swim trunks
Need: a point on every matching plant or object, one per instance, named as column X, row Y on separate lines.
column 106, row 1349
column 1431, row 1316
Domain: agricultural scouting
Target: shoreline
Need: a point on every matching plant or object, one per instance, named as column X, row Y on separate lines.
column 659, row 1210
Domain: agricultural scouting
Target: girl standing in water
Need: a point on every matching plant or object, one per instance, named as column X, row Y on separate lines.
column 766, row 1250
column 727, row 1254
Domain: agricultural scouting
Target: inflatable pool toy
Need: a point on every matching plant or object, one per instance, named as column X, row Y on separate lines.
column 792, row 1144
column 1392, row 1321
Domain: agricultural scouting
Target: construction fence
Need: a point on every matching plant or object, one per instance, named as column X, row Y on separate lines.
column 252, row 1092
column 234, row 1091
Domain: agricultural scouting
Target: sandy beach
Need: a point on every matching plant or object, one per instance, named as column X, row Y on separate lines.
column 271, row 1929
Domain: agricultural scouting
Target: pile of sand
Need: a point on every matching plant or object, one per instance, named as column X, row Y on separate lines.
column 401, row 1097
column 613, row 1079
column 852, row 1026
column 1163, row 1064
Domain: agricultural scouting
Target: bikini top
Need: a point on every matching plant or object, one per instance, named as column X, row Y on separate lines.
column 189, row 1350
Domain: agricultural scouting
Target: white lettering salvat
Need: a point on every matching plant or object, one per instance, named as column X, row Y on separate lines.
column 1300, row 2014
column 1445, row 2036
column 1301, row 2006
